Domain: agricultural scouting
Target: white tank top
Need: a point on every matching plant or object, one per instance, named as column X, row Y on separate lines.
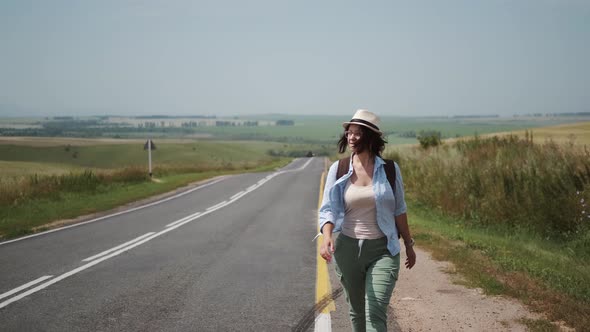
column 360, row 216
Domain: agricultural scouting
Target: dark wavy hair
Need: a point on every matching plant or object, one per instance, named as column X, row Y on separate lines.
column 369, row 141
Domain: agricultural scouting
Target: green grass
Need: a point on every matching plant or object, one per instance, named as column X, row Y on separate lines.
column 504, row 181
column 546, row 275
column 34, row 215
column 539, row 325
column 167, row 154
column 11, row 169
column 123, row 155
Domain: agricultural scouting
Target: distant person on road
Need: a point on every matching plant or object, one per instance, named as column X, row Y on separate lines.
column 370, row 216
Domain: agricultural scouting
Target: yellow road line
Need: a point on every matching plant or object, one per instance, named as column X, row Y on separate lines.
column 323, row 289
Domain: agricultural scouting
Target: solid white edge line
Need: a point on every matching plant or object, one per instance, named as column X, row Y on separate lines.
column 252, row 187
column 25, row 286
column 117, row 247
column 323, row 323
column 115, row 214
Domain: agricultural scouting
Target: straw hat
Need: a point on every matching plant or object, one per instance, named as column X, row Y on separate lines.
column 366, row 119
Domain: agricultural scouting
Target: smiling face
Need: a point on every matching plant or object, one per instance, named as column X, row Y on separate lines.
column 354, row 135
column 360, row 139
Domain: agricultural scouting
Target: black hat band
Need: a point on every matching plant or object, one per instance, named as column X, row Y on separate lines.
column 366, row 123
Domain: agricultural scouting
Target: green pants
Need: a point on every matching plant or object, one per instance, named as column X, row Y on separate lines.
column 368, row 274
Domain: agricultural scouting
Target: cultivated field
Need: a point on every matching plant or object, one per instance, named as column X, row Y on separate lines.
column 65, row 141
column 574, row 133
column 41, row 155
column 318, row 129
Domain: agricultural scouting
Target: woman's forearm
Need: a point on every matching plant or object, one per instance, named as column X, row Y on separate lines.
column 403, row 229
column 327, row 229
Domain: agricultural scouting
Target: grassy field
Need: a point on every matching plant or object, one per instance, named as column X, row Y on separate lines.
column 33, row 154
column 511, row 213
column 12, row 169
column 545, row 275
column 574, row 133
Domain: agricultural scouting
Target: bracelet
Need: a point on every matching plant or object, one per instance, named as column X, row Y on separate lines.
column 411, row 243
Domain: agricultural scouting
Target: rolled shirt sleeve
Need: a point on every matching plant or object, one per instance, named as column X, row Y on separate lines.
column 325, row 212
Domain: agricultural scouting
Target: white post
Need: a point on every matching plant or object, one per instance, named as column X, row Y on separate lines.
column 150, row 155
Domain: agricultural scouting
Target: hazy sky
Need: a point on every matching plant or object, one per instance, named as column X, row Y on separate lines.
column 221, row 57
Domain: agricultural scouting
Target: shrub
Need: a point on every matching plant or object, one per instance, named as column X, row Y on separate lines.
column 429, row 139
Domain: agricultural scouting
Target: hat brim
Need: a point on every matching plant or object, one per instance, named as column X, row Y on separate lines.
column 345, row 124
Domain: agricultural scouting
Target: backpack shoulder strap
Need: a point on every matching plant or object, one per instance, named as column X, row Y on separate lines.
column 342, row 167
column 390, row 172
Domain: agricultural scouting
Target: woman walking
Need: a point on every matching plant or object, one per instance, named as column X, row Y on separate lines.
column 370, row 216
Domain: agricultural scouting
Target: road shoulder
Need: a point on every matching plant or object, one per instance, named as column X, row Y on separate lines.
column 427, row 299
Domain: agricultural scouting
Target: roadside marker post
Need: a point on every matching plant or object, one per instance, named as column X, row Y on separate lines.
column 149, row 145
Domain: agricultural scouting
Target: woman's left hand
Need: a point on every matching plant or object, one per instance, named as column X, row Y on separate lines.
column 410, row 257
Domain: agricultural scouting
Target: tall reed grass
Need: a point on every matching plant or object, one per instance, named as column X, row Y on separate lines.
column 211, row 166
column 16, row 190
column 506, row 182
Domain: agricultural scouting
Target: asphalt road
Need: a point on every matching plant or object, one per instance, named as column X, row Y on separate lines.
column 247, row 264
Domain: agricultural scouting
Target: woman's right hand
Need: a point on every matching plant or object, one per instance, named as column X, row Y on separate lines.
column 327, row 248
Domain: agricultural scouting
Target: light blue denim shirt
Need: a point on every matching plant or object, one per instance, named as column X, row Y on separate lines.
column 387, row 204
